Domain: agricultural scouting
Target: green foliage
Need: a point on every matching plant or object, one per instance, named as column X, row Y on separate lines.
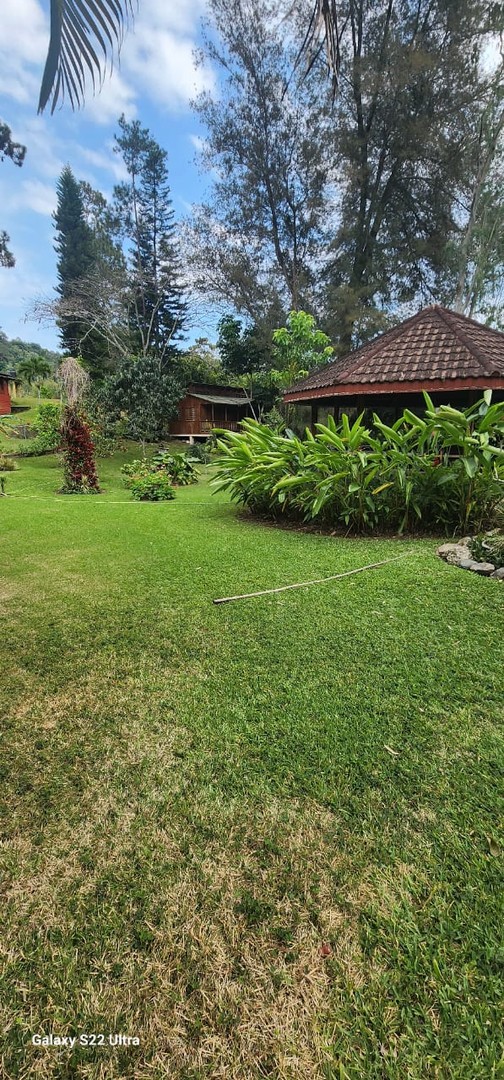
column 144, row 394
column 201, row 452
column 299, row 346
column 13, row 351
column 34, row 369
column 16, row 152
column 443, row 471
column 240, row 349
column 154, row 487
column 488, row 547
column 47, row 424
column 178, row 467
column 6, row 463
column 47, row 421
column 77, row 262
column 201, row 363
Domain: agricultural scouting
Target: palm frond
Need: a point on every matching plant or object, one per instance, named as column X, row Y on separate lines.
column 323, row 33
column 85, row 34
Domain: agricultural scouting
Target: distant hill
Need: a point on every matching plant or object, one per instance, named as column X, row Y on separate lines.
column 13, row 351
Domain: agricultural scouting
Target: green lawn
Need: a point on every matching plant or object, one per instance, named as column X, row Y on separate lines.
column 261, row 837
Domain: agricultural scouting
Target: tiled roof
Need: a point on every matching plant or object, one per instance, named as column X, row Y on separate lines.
column 434, row 344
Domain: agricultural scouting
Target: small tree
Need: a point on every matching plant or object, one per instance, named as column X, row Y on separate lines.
column 145, row 393
column 80, row 477
column 298, row 347
column 34, row 369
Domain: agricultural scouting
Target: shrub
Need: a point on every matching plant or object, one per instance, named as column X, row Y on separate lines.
column 488, row 547
column 200, row 452
column 443, row 471
column 47, row 425
column 133, row 470
column 178, row 467
column 153, row 487
column 80, row 476
column 7, row 464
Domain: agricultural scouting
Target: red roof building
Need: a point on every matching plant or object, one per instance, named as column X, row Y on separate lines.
column 450, row 356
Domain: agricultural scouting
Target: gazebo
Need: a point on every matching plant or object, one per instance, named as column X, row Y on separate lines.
column 454, row 358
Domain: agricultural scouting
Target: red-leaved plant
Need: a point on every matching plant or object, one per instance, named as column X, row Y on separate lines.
column 79, row 466
column 80, row 477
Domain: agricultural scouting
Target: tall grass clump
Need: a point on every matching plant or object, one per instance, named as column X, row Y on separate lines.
column 443, row 471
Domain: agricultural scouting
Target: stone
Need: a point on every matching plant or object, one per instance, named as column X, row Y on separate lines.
column 454, row 553
column 499, row 573
column 484, row 568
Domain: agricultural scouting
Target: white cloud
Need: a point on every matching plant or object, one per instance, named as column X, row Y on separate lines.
column 162, row 64
column 23, row 46
column 106, row 160
column 198, row 143
column 116, row 96
column 37, row 196
column 156, row 58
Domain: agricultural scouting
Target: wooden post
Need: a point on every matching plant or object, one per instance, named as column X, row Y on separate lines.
column 314, row 416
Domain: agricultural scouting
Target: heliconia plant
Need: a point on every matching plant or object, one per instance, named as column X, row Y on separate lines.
column 442, row 471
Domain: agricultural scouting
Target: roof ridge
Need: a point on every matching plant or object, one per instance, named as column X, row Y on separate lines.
column 447, row 316
column 367, row 346
column 469, row 319
column 371, row 347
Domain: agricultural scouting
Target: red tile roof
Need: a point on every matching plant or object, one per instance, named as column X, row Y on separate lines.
column 434, row 344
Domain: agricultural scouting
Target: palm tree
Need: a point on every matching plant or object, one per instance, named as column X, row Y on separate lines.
column 84, row 37
column 86, row 33
column 34, row 370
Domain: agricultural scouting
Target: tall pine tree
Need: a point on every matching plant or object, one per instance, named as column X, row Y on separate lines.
column 144, row 211
column 76, row 252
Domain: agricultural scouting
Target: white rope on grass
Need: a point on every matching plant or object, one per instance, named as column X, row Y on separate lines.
column 316, row 581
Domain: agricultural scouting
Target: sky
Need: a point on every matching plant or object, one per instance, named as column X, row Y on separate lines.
column 154, row 82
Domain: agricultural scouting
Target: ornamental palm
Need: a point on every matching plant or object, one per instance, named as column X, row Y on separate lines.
column 84, row 37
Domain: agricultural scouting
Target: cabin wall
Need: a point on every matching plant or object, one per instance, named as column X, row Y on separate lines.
column 5, row 401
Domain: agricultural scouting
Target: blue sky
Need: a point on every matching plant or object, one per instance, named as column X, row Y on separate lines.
column 154, row 82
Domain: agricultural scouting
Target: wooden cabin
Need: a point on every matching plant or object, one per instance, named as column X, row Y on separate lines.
column 454, row 358
column 8, row 390
column 207, row 406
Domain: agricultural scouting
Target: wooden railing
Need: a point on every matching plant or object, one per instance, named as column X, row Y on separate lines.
column 227, row 425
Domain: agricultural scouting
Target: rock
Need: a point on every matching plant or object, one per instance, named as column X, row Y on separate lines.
column 454, row 553
column 466, row 564
column 499, row 573
column 484, row 568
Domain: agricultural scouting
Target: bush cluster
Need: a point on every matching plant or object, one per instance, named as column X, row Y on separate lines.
column 153, row 487
column 7, row 464
column 47, row 425
column 488, row 547
column 159, row 475
column 178, row 467
column 443, row 471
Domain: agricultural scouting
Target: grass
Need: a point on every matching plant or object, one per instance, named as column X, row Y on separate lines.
column 262, row 837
